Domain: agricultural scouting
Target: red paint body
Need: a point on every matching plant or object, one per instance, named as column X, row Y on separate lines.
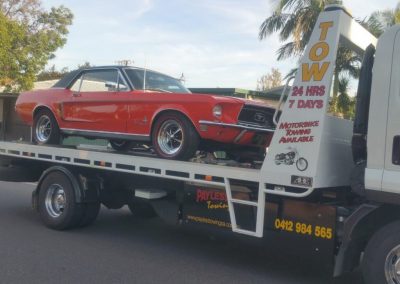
column 134, row 112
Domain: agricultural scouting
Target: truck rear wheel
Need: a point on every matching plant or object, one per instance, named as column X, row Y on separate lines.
column 381, row 262
column 57, row 205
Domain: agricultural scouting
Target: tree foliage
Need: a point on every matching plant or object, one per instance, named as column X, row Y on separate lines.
column 270, row 80
column 85, row 65
column 294, row 21
column 379, row 21
column 29, row 36
column 343, row 105
column 52, row 73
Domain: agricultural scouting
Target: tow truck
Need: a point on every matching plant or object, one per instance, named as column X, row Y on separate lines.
column 328, row 183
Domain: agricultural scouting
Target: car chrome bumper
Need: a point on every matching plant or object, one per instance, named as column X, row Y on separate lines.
column 244, row 127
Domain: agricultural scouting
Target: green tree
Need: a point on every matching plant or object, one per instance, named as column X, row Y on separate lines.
column 84, row 65
column 51, row 74
column 379, row 21
column 12, row 36
column 29, row 36
column 294, row 21
column 343, row 105
column 270, row 80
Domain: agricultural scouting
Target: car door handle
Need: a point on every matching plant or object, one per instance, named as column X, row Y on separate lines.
column 76, row 95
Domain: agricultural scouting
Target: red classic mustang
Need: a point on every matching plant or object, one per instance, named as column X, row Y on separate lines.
column 128, row 104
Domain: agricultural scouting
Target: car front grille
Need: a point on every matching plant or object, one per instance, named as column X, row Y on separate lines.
column 257, row 116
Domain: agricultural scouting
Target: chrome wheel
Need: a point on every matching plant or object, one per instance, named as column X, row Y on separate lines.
column 170, row 137
column 55, row 200
column 43, row 129
column 392, row 266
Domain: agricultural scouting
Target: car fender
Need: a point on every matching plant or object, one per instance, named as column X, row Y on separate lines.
column 43, row 106
column 179, row 109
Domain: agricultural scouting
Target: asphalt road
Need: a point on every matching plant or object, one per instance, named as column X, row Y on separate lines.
column 119, row 248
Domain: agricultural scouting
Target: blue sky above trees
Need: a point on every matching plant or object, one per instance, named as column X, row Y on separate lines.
column 213, row 42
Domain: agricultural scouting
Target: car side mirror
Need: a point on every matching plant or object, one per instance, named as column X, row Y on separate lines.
column 111, row 86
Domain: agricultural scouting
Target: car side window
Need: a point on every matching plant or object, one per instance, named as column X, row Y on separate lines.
column 136, row 78
column 154, row 81
column 77, row 85
column 97, row 81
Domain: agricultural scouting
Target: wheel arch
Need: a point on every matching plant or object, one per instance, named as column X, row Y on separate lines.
column 359, row 228
column 79, row 194
column 44, row 107
column 170, row 110
column 39, row 108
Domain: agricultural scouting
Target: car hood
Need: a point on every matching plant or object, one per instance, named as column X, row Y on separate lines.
column 259, row 103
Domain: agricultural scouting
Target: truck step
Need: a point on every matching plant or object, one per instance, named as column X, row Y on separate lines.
column 245, row 232
column 150, row 193
column 244, row 202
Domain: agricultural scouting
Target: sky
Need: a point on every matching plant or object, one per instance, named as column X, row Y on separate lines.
column 214, row 43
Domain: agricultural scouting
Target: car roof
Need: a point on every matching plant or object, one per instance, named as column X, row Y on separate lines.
column 65, row 81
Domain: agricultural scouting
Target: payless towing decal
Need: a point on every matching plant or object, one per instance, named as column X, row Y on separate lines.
column 213, row 199
column 215, row 202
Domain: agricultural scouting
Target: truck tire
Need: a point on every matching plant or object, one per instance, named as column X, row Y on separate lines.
column 91, row 211
column 174, row 137
column 57, row 205
column 381, row 261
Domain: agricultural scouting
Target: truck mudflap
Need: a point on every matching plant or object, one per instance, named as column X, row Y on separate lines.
column 349, row 253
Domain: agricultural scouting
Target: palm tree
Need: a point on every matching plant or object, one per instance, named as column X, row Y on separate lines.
column 345, row 103
column 379, row 21
column 294, row 20
column 347, row 65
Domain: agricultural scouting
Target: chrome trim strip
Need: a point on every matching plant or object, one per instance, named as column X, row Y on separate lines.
column 206, row 122
column 106, row 134
column 240, row 136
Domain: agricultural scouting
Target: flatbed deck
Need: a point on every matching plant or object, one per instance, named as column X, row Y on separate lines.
column 127, row 163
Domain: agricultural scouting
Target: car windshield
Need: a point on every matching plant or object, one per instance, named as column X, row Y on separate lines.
column 155, row 81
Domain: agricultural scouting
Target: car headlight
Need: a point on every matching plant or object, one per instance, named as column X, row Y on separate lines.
column 217, row 111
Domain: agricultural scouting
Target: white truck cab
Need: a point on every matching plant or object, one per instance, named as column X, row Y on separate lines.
column 382, row 176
